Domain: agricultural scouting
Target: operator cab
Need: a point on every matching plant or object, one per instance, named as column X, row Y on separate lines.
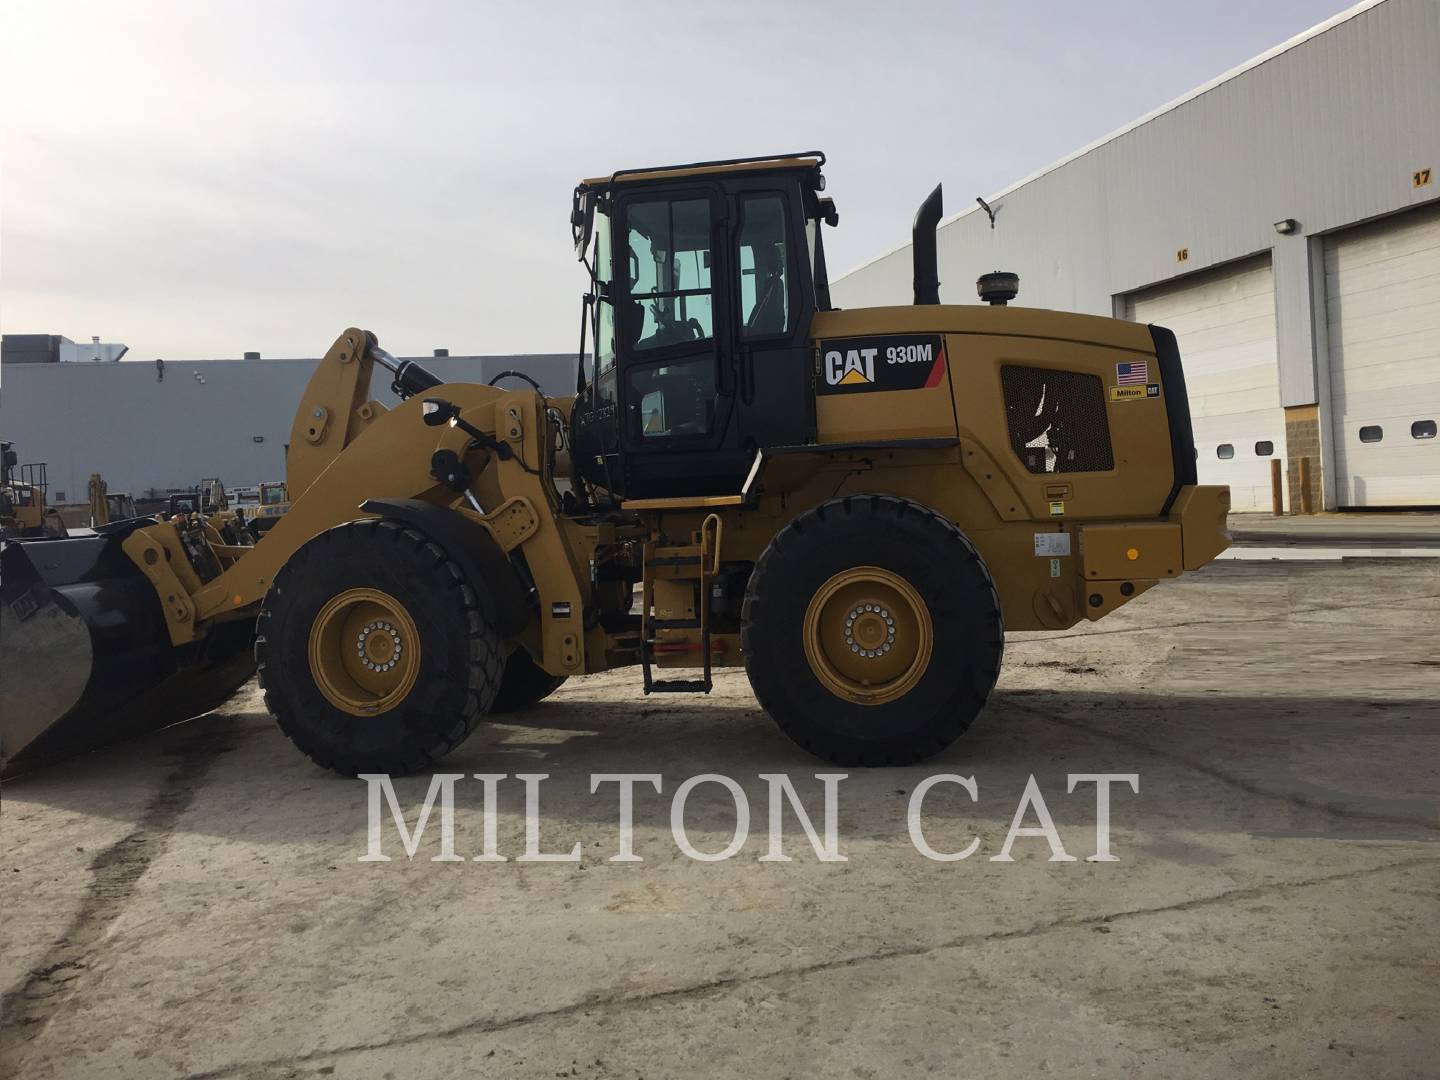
column 704, row 279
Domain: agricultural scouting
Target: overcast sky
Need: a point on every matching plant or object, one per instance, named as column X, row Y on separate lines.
column 201, row 178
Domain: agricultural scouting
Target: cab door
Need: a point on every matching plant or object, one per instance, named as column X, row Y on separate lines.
column 709, row 311
column 666, row 308
column 774, row 304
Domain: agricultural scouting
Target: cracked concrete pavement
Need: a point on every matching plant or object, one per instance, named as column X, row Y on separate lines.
column 191, row 904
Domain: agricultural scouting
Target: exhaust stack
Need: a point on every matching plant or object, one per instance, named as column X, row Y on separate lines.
column 922, row 247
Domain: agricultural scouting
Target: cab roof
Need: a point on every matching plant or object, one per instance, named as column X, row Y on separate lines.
column 806, row 159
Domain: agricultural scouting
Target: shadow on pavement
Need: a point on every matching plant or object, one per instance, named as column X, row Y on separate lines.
column 1343, row 768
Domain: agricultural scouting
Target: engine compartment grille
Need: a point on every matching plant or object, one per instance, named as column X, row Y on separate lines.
column 1057, row 419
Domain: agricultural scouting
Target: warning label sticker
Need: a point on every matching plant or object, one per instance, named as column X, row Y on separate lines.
column 1048, row 544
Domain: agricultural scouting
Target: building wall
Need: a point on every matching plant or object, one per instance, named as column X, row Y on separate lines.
column 1328, row 129
column 225, row 418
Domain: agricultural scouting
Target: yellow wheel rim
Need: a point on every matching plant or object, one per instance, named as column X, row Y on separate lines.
column 364, row 652
column 868, row 635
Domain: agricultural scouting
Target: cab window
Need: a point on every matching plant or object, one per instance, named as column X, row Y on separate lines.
column 676, row 399
column 669, row 274
column 605, row 313
column 764, row 268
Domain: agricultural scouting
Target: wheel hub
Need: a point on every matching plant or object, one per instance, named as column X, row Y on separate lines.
column 364, row 652
column 379, row 646
column 868, row 635
column 869, row 630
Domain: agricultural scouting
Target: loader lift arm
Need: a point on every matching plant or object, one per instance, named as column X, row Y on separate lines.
column 367, row 476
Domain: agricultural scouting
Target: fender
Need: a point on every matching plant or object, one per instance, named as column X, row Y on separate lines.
column 471, row 548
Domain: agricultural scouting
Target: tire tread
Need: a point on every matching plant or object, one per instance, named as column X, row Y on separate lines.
column 434, row 736
column 761, row 609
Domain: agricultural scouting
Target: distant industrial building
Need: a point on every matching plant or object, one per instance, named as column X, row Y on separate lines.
column 55, row 348
column 1284, row 220
column 157, row 426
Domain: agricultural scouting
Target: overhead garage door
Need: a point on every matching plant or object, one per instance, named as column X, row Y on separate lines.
column 1224, row 321
column 1382, row 297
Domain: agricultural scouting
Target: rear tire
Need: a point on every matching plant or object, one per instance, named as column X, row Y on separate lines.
column 416, row 678
column 872, row 631
column 524, row 684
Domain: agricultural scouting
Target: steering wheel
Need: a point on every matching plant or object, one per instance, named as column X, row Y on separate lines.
column 518, row 375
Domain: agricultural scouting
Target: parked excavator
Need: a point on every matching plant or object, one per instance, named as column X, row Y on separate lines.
column 852, row 505
column 107, row 506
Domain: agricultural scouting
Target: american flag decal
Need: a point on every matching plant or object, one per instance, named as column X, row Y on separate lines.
column 1133, row 373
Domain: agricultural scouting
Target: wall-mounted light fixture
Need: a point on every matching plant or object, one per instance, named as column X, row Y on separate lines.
column 257, row 438
column 1287, row 226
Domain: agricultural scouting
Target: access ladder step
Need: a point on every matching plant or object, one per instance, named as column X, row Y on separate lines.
column 679, row 686
column 674, row 560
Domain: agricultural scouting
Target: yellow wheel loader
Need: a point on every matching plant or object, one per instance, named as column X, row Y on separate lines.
column 272, row 502
column 852, row 505
column 23, row 509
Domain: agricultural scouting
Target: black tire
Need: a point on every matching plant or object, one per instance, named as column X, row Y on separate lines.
column 524, row 684
column 461, row 655
column 929, row 553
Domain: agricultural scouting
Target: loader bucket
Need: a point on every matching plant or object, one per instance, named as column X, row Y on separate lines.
column 85, row 657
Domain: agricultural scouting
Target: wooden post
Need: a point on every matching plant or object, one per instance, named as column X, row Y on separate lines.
column 1277, row 494
column 1307, row 504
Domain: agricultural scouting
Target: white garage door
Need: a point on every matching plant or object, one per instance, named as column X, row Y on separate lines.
column 1224, row 322
column 1382, row 296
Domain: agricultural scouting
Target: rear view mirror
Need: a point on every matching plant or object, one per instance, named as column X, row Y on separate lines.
column 582, row 221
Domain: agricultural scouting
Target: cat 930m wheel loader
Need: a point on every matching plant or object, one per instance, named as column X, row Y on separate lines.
column 853, row 505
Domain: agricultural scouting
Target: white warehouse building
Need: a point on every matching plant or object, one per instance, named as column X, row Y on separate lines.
column 1284, row 221
column 158, row 426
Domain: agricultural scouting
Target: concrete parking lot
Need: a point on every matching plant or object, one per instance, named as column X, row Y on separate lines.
column 192, row 903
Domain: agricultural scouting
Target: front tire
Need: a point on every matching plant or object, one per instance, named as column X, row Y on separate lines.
column 375, row 653
column 872, row 631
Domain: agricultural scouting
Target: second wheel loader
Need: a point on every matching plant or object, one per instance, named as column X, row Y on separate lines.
column 852, row 505
column 23, row 509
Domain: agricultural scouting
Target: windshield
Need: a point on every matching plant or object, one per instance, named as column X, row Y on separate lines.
column 668, row 252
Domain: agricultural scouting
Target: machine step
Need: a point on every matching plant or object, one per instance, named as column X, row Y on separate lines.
column 678, row 686
column 682, row 573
